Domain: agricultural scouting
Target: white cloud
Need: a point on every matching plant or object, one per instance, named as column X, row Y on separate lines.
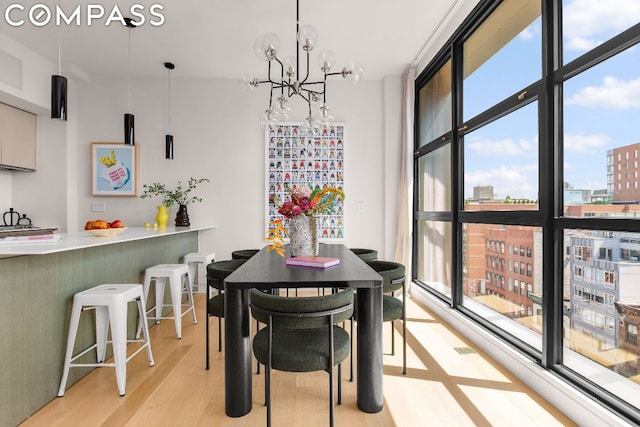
column 530, row 32
column 614, row 93
column 585, row 143
column 516, row 182
column 582, row 44
column 588, row 21
column 595, row 185
column 504, row 147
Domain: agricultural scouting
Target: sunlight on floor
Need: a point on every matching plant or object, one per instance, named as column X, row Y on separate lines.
column 443, row 384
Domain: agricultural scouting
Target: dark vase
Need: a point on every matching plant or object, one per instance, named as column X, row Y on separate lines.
column 182, row 217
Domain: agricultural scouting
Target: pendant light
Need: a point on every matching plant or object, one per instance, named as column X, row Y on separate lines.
column 59, row 89
column 168, row 138
column 129, row 131
column 286, row 79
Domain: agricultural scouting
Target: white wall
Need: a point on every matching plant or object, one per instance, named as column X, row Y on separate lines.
column 392, row 105
column 42, row 195
column 6, row 194
column 218, row 135
column 26, row 85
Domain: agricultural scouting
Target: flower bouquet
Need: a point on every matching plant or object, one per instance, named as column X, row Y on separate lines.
column 300, row 210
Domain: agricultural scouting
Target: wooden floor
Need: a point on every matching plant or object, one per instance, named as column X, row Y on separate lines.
column 449, row 383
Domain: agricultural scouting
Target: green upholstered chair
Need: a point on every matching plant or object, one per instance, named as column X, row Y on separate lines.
column 244, row 253
column 393, row 275
column 216, row 273
column 302, row 334
column 365, row 254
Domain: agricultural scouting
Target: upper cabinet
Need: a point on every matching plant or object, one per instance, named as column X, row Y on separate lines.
column 17, row 139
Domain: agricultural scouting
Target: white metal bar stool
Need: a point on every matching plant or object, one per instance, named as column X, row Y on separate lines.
column 110, row 303
column 194, row 260
column 175, row 273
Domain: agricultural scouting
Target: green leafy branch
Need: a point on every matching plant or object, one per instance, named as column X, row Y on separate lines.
column 180, row 195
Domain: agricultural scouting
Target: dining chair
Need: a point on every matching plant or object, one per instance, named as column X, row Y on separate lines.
column 302, row 334
column 393, row 279
column 365, row 254
column 244, row 253
column 216, row 273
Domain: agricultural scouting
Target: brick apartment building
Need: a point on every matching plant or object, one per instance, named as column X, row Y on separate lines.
column 500, row 260
column 623, row 177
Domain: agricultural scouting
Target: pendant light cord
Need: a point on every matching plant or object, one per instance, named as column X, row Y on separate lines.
column 298, row 41
column 169, row 99
column 59, row 48
column 129, row 69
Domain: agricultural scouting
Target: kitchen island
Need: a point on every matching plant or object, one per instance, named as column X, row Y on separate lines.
column 38, row 282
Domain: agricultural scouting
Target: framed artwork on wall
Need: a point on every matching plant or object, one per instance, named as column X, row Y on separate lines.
column 297, row 155
column 114, row 169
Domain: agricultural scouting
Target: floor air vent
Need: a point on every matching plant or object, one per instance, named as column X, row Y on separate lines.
column 465, row 350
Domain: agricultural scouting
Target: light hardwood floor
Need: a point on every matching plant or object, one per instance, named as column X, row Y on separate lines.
column 449, row 383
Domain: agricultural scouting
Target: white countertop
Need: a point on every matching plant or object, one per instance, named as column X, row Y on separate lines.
column 82, row 240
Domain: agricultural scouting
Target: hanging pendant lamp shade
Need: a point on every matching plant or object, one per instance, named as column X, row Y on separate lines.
column 129, row 128
column 59, row 89
column 58, row 97
column 168, row 138
column 168, row 147
column 129, row 134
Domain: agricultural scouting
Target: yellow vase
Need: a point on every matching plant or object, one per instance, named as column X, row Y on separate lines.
column 162, row 217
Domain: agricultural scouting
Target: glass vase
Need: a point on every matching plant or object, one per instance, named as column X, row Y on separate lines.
column 303, row 236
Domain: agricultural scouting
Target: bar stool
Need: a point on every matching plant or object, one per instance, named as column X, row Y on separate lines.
column 194, row 260
column 110, row 303
column 176, row 274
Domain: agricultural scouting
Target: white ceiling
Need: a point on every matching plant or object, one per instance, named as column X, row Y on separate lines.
column 214, row 38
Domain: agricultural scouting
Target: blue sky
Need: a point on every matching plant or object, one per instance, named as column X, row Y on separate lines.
column 601, row 110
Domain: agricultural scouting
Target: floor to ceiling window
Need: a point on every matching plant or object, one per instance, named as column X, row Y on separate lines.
column 527, row 186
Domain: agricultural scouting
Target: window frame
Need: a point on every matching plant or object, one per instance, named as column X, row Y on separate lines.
column 549, row 216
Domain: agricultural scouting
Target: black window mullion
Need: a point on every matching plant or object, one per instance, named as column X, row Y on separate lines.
column 550, row 178
column 608, row 49
column 517, row 100
column 527, row 218
column 457, row 170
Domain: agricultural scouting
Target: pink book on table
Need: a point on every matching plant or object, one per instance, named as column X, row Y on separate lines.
column 313, row 261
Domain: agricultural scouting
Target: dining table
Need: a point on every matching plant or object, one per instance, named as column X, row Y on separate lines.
column 268, row 270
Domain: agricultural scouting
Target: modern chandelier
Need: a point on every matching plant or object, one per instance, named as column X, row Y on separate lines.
column 286, row 80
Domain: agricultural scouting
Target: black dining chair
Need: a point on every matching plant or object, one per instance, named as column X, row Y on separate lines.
column 365, row 254
column 217, row 271
column 302, row 334
column 393, row 279
column 244, row 253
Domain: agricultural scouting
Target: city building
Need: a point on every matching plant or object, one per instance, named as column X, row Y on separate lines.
column 484, row 192
column 622, row 174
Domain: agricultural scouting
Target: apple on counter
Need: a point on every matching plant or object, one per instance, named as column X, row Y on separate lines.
column 101, row 224
column 116, row 224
